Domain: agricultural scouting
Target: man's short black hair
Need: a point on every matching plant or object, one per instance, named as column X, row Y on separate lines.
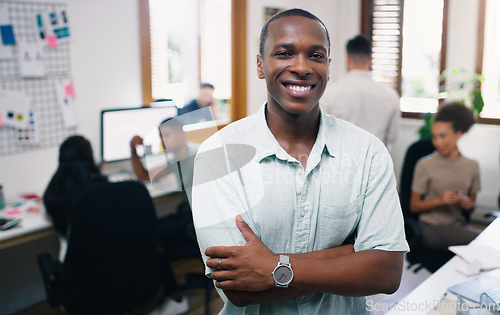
column 460, row 116
column 286, row 13
column 173, row 123
column 207, row 86
column 359, row 47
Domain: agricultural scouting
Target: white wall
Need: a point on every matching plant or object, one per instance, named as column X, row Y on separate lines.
column 341, row 18
column 105, row 60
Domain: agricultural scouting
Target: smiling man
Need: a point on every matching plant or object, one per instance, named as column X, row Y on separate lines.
column 309, row 221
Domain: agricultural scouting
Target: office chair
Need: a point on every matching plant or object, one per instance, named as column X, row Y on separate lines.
column 112, row 261
column 192, row 251
column 493, row 214
column 428, row 258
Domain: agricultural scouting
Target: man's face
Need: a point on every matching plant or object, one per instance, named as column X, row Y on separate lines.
column 295, row 63
column 206, row 97
column 171, row 140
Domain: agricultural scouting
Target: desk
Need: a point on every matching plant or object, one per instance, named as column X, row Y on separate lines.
column 21, row 284
column 429, row 293
column 33, row 225
column 37, row 225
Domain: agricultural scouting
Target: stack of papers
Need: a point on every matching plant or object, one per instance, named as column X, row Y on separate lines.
column 488, row 257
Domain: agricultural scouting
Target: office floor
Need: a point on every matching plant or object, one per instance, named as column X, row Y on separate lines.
column 196, row 297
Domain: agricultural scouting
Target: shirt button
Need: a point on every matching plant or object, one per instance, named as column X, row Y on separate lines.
column 300, row 171
column 302, row 297
column 302, row 213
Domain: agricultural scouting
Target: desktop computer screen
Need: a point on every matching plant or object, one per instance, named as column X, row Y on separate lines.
column 119, row 126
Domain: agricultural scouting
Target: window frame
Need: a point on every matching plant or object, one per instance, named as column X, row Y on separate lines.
column 238, row 57
column 366, row 29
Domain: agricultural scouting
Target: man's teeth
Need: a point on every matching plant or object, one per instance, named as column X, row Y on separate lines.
column 299, row 88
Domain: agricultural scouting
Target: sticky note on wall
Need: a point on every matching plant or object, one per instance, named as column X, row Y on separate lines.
column 8, row 37
column 52, row 41
column 69, row 90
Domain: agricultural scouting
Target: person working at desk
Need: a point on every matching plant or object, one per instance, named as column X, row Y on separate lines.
column 445, row 184
column 310, row 183
column 76, row 171
column 359, row 99
column 180, row 154
column 206, row 101
column 175, row 231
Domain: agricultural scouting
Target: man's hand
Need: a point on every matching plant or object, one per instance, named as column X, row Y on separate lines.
column 136, row 140
column 243, row 268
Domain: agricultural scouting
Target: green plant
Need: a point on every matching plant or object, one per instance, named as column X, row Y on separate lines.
column 467, row 90
column 463, row 87
column 425, row 130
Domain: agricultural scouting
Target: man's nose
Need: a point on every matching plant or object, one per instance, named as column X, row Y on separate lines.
column 301, row 65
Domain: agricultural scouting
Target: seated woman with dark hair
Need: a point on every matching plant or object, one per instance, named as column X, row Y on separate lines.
column 445, row 183
column 76, row 171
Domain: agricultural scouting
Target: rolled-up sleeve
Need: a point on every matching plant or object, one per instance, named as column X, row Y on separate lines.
column 381, row 223
column 215, row 201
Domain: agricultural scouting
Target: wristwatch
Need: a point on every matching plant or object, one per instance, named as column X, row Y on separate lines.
column 283, row 273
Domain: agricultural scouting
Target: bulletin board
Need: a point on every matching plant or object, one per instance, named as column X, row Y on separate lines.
column 44, row 105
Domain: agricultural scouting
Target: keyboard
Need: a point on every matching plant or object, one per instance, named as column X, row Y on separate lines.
column 491, row 296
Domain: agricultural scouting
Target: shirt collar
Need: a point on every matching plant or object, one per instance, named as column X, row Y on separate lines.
column 325, row 136
column 268, row 145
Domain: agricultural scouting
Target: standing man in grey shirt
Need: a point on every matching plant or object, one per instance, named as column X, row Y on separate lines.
column 359, row 99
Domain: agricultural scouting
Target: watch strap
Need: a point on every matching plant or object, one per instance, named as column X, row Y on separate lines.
column 284, row 260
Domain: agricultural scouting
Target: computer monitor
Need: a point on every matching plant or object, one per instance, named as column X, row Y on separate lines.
column 119, row 126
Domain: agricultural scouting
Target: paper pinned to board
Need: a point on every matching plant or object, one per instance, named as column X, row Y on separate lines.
column 487, row 256
column 31, row 59
column 14, row 109
column 28, row 134
column 66, row 105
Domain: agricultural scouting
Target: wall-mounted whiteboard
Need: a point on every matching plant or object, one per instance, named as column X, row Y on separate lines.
column 49, row 126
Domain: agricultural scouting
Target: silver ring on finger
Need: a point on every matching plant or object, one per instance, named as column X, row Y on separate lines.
column 218, row 263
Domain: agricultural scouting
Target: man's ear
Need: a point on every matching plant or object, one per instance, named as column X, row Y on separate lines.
column 260, row 70
column 329, row 67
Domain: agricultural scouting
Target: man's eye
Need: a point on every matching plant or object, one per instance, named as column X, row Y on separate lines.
column 283, row 54
column 318, row 56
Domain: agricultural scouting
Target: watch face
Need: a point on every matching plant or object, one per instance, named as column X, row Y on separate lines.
column 283, row 275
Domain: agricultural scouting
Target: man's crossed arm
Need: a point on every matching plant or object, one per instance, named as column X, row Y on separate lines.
column 245, row 272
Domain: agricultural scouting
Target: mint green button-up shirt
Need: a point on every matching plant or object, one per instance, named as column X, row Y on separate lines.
column 348, row 186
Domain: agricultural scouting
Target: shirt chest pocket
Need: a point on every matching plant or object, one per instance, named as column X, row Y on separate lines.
column 338, row 219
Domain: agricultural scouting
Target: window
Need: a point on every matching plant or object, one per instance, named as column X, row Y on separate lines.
column 421, row 65
column 395, row 28
column 385, row 32
column 406, row 52
column 187, row 42
column 490, row 87
column 175, row 49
